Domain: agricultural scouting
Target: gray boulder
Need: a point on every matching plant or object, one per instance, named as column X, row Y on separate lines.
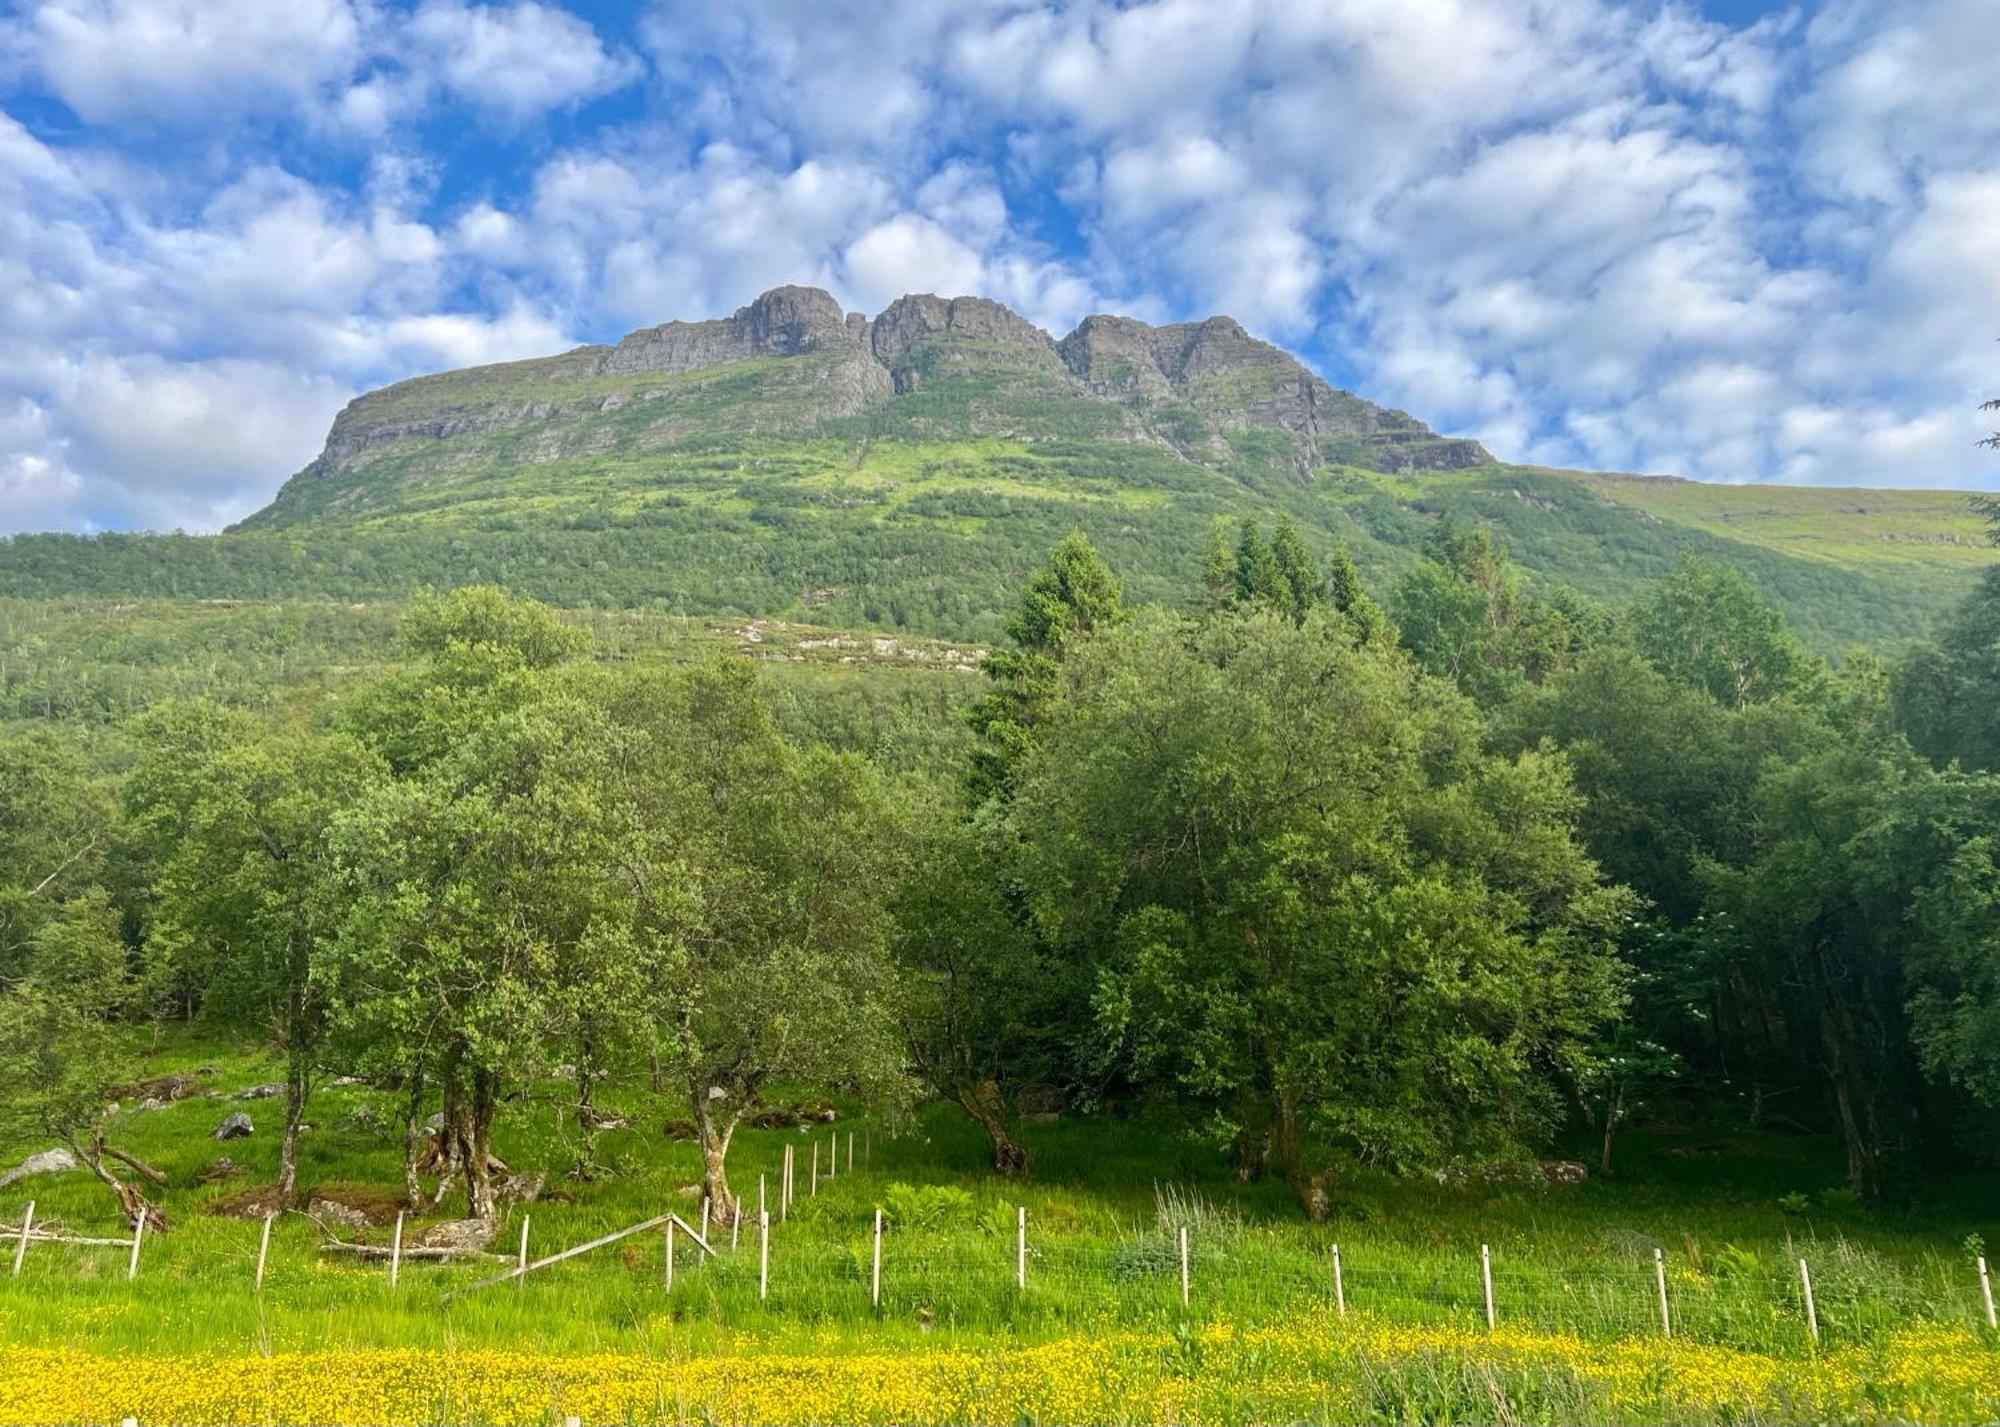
column 269, row 1091
column 55, row 1161
column 235, row 1126
column 459, row 1236
column 332, row 1211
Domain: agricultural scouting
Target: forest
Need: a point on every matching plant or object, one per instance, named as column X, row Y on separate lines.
column 1334, row 882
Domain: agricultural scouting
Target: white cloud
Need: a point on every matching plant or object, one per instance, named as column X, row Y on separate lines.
column 909, row 254
column 183, row 60
column 516, row 60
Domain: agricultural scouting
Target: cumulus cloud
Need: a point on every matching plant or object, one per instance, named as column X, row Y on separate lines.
column 516, row 60
column 1590, row 233
column 183, row 60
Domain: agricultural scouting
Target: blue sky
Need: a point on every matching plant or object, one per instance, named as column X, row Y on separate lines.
column 1730, row 240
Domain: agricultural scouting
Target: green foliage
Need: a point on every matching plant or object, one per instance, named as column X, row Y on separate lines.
column 926, row 1206
column 1708, row 629
column 1266, row 838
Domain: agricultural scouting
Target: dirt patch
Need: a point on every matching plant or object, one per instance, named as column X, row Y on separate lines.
column 377, row 1204
column 252, row 1203
column 372, row 1202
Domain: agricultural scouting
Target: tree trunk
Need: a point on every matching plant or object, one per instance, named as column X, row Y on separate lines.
column 296, row 1090
column 586, row 1117
column 715, row 1136
column 474, row 1133
column 1311, row 1188
column 985, row 1103
column 136, row 1205
column 415, row 1139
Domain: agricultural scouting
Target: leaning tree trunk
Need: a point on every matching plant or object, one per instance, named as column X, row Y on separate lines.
column 137, row 1206
column 986, row 1104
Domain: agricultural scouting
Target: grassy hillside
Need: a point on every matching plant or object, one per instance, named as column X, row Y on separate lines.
column 911, row 485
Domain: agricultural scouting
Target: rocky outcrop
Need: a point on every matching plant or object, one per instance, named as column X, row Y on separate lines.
column 784, row 322
column 1235, row 381
column 918, row 335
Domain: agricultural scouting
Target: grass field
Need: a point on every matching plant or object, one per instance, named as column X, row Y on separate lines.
column 1100, row 1332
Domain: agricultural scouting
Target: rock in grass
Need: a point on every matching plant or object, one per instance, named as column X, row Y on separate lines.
column 459, row 1236
column 236, row 1126
column 53, row 1161
column 268, row 1091
column 332, row 1211
column 223, row 1168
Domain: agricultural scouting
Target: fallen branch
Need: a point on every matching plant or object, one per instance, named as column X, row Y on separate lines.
column 11, row 1233
column 138, row 1166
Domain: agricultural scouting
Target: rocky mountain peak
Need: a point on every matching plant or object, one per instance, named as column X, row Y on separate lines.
column 784, row 322
column 917, row 333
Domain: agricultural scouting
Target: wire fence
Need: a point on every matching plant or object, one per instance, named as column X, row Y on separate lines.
column 836, row 1266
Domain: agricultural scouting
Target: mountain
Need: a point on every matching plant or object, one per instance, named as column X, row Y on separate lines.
column 908, row 470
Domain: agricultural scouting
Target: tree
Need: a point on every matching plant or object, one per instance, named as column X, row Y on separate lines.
column 1346, row 593
column 984, row 1009
column 1218, row 567
column 56, row 834
column 1466, row 616
column 1315, row 907
column 481, row 650
column 1259, row 579
column 1707, row 628
column 756, row 881
column 1946, row 688
column 1302, row 587
column 1071, row 597
column 57, row 1046
column 451, row 929
column 245, row 880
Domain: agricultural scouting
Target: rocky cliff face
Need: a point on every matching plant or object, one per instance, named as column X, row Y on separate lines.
column 827, row 363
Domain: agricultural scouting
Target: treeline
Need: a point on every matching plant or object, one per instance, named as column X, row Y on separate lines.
column 1328, row 882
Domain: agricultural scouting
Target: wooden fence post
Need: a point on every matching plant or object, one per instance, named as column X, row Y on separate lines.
column 138, row 1238
column 264, row 1248
column 521, row 1258
column 1339, row 1288
column 736, row 1224
column 1812, row 1313
column 1184, row 1267
column 1660, row 1282
column 1486, row 1278
column 28, row 1223
column 704, row 1218
column 850, row 1151
column 667, row 1273
column 763, row 1256
column 833, row 1155
column 875, row 1274
column 1985, row 1290
column 815, row 1178
column 1021, row 1247
column 396, row 1254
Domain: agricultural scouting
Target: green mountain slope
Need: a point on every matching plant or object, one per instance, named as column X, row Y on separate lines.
column 907, row 471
